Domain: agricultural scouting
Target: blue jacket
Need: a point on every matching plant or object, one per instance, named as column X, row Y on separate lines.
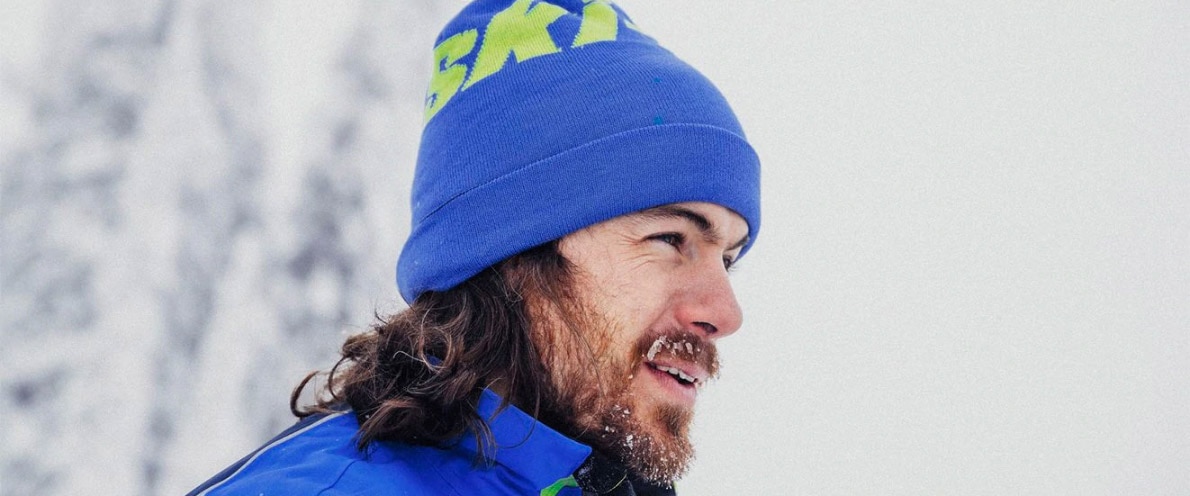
column 318, row 456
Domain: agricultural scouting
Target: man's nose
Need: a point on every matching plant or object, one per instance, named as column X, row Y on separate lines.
column 708, row 303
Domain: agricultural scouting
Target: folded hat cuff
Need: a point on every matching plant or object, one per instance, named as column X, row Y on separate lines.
column 550, row 198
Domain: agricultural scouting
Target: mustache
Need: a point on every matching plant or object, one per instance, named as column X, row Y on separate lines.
column 680, row 345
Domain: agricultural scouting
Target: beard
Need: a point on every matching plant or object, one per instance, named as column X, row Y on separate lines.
column 590, row 394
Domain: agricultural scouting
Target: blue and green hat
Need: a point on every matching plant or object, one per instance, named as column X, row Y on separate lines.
column 545, row 117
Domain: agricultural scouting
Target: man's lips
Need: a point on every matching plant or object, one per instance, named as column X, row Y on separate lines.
column 684, row 372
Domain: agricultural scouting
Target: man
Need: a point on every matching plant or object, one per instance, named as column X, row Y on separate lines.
column 580, row 195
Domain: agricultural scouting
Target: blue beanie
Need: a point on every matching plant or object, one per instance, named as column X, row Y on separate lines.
column 543, row 118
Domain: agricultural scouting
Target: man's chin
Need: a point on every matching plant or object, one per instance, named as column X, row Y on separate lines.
column 652, row 443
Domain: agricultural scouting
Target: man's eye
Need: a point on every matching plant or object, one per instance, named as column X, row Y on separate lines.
column 672, row 239
column 728, row 263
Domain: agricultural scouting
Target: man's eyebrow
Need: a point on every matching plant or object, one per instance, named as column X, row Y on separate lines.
column 705, row 228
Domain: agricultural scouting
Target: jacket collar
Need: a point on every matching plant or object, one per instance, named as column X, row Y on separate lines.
column 524, row 446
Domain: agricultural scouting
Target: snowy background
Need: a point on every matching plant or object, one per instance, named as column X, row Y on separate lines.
column 973, row 277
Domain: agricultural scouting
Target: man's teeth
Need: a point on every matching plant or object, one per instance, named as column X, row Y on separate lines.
column 676, row 373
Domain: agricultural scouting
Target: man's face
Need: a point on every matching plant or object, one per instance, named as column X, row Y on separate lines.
column 653, row 297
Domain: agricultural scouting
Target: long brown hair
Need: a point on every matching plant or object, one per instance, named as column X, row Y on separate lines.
column 416, row 376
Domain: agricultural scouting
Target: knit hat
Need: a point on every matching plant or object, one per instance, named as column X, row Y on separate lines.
column 544, row 117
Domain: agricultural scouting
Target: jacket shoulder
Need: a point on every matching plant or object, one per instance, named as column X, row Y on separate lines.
column 319, row 456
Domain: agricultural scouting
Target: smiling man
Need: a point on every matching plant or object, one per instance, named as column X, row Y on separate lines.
column 580, row 195
column 654, row 297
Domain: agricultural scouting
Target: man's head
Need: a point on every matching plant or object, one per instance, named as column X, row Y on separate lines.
column 579, row 196
column 561, row 120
